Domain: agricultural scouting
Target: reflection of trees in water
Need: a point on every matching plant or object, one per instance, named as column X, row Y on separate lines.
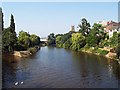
column 116, row 69
column 14, row 72
column 8, row 69
column 92, row 65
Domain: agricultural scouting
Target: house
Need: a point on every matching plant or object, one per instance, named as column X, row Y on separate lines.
column 110, row 27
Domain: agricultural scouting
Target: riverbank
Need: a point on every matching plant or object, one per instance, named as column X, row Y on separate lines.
column 106, row 52
column 25, row 53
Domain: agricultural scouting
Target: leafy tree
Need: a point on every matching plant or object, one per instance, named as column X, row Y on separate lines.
column 67, row 44
column 8, row 40
column 61, row 39
column 84, row 27
column 118, row 51
column 114, row 40
column 35, row 40
column 95, row 35
column 51, row 39
column 24, row 39
column 78, row 41
column 59, row 42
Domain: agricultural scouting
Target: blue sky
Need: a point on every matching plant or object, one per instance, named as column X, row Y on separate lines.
column 44, row 18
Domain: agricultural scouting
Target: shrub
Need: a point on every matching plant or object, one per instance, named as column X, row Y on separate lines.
column 32, row 50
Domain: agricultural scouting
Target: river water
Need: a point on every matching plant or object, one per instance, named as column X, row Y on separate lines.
column 54, row 67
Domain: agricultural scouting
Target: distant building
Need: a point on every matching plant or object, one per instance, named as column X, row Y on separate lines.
column 110, row 27
column 72, row 28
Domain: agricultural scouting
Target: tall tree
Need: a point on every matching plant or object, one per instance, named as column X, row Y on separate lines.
column 12, row 23
column 9, row 37
column 84, row 27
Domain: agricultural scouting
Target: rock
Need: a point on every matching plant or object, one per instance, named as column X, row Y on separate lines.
column 110, row 54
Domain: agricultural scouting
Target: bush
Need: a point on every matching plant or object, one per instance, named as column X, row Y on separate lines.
column 32, row 50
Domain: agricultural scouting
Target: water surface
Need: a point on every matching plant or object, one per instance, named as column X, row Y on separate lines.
column 54, row 67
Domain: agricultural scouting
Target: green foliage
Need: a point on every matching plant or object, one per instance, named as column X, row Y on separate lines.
column 114, row 40
column 63, row 40
column 78, row 41
column 26, row 40
column 51, row 39
column 59, row 42
column 12, row 24
column 102, row 52
column 84, row 27
column 9, row 37
column 35, row 40
column 33, row 49
column 67, row 44
column 96, row 35
column 117, row 49
column 8, row 40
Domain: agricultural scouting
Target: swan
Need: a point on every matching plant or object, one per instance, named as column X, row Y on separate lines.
column 22, row 82
column 16, row 83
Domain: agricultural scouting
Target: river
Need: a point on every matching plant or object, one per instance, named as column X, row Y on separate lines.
column 53, row 67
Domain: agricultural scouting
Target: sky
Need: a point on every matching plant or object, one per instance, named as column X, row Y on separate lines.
column 43, row 18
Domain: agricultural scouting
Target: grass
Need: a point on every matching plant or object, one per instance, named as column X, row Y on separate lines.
column 94, row 50
column 101, row 52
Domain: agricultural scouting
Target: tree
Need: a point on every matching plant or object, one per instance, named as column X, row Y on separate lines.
column 51, row 39
column 9, row 37
column 78, row 41
column 12, row 30
column 62, row 38
column 84, row 27
column 8, row 40
column 12, row 24
column 95, row 35
column 67, row 44
column 35, row 40
column 115, row 39
column 24, row 39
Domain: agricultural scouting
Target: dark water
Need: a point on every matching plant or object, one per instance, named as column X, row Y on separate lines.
column 56, row 68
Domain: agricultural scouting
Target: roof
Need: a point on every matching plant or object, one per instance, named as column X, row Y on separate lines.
column 112, row 25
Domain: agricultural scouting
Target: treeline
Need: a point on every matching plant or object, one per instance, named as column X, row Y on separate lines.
column 11, row 42
column 87, row 37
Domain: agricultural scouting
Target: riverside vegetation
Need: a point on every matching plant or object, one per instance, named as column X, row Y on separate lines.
column 25, row 43
column 87, row 39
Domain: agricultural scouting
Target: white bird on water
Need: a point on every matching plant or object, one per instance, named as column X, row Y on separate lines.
column 16, row 83
column 22, row 82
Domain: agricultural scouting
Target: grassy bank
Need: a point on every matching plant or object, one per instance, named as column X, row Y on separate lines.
column 100, row 51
